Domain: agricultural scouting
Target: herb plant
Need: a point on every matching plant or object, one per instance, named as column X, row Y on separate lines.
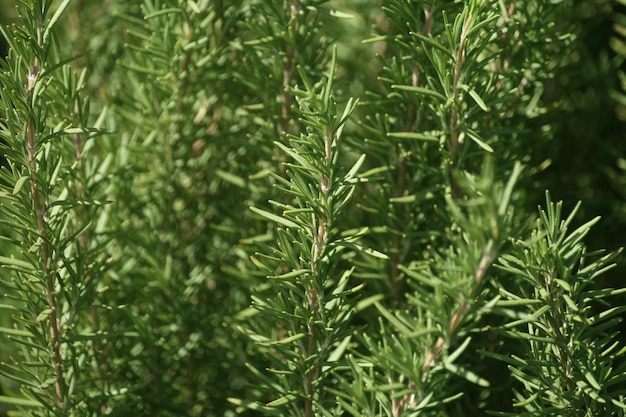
column 311, row 208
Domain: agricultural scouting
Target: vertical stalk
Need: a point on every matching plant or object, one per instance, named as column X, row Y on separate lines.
column 294, row 10
column 456, row 138
column 312, row 293
column 486, row 260
column 560, row 332
column 41, row 216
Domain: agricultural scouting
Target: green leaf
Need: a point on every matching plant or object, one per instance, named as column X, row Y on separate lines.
column 508, row 190
column 404, row 199
column 337, row 354
column 431, row 42
column 474, row 96
column 397, row 323
column 380, row 38
column 478, row 100
column 57, row 15
column 528, row 318
column 421, row 91
column 413, row 136
column 162, row 12
column 251, row 405
column 281, row 401
column 15, row 332
column 592, row 380
column 20, row 402
column 478, row 140
column 369, row 301
column 330, row 12
column 511, row 360
column 18, row 184
column 527, row 401
column 455, row 355
column 290, row 339
column 296, row 156
column 362, row 249
column 465, row 373
column 277, row 219
column 355, row 168
column 231, row 178
column 292, row 274
column 44, row 315
column 15, row 264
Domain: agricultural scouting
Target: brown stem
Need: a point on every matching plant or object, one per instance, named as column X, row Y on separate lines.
column 485, row 261
column 283, row 124
column 42, row 231
column 431, row 355
column 288, row 67
column 321, row 237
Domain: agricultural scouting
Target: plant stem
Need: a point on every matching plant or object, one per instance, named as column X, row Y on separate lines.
column 560, row 332
column 432, row 354
column 456, row 138
column 40, row 210
column 312, row 293
column 294, row 10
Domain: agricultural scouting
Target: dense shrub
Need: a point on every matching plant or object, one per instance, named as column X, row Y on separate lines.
column 312, row 208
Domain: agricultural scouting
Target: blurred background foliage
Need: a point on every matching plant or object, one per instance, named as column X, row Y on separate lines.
column 583, row 153
column 194, row 265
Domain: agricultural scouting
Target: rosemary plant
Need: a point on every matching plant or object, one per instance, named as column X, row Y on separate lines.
column 568, row 361
column 198, row 220
column 55, row 251
column 310, row 283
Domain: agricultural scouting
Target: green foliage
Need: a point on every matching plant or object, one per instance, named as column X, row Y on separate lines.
column 51, row 206
column 409, row 361
column 308, row 298
column 568, row 345
column 311, row 208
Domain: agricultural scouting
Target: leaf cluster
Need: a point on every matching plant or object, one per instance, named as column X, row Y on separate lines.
column 304, row 207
